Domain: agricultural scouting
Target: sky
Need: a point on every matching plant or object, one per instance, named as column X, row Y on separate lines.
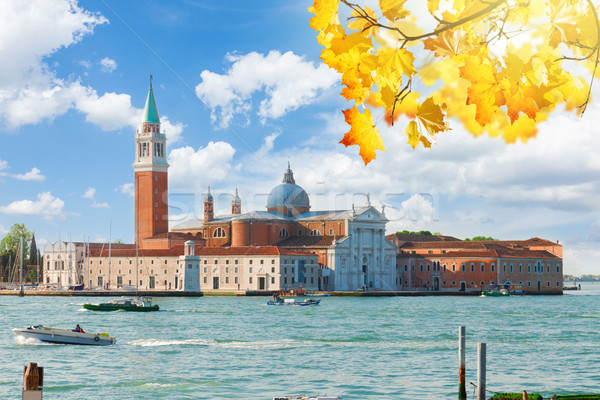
column 241, row 92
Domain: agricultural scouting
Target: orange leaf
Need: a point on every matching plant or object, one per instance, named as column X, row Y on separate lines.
column 362, row 133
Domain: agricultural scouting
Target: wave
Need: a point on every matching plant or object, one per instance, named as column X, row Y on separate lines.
column 163, row 342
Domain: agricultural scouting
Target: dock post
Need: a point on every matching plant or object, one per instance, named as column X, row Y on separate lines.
column 462, row 389
column 33, row 380
column 480, row 371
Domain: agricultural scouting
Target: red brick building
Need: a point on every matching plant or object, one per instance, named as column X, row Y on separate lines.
column 428, row 262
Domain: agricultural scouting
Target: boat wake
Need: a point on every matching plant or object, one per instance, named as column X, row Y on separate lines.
column 160, row 342
column 21, row 340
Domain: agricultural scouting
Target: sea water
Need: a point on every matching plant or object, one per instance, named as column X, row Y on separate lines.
column 360, row 348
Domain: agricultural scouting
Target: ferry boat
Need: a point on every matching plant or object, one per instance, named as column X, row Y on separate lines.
column 293, row 302
column 64, row 336
column 129, row 304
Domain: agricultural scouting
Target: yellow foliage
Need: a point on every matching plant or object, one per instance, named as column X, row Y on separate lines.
column 497, row 66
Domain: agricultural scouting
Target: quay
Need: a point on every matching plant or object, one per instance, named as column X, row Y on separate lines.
column 253, row 293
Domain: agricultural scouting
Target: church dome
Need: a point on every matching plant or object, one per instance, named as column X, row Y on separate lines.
column 288, row 194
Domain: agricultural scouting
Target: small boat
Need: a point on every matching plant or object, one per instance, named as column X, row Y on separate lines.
column 64, row 336
column 303, row 397
column 129, row 304
column 319, row 294
column 293, row 302
column 491, row 293
column 76, row 287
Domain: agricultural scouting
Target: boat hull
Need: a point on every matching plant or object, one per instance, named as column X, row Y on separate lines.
column 64, row 336
column 494, row 294
column 294, row 302
column 117, row 307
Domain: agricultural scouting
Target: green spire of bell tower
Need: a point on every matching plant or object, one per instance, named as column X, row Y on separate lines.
column 150, row 112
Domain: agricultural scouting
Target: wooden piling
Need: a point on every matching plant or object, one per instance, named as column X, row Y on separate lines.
column 31, row 379
column 480, row 371
column 462, row 389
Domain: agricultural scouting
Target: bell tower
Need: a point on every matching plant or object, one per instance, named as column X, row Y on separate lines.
column 151, row 179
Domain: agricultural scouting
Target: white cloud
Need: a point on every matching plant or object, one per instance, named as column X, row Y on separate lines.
column 46, row 206
column 85, row 64
column 100, row 205
column 108, row 65
column 267, row 146
column 90, row 193
column 199, row 168
column 33, row 175
column 3, row 165
column 287, row 80
column 30, row 90
column 128, row 189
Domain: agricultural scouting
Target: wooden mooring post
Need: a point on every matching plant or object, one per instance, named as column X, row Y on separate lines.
column 480, row 371
column 33, row 380
column 462, row 389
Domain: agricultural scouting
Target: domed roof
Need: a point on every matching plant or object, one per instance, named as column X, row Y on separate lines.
column 288, row 194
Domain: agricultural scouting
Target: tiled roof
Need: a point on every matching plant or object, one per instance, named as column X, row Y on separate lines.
column 248, row 251
column 131, row 252
column 407, row 237
column 331, row 215
column 309, row 241
column 485, row 253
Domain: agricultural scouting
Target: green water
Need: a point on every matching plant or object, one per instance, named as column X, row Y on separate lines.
column 361, row 348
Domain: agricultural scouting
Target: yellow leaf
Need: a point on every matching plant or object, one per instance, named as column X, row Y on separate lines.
column 361, row 24
column 392, row 65
column 357, row 87
column 484, row 90
column 412, row 132
column 362, row 133
column 430, row 115
column 326, row 13
column 393, row 9
column 449, row 43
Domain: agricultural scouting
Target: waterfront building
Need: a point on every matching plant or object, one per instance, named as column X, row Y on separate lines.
column 286, row 246
column 429, row 262
column 351, row 246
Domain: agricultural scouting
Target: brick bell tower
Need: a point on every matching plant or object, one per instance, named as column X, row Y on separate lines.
column 151, row 178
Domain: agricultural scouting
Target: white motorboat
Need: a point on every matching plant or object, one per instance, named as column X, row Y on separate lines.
column 64, row 336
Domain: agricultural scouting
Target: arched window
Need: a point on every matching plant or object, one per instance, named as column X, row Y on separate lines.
column 219, row 233
column 284, row 233
column 315, row 232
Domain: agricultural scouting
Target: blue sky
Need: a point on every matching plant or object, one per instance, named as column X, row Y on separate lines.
column 241, row 91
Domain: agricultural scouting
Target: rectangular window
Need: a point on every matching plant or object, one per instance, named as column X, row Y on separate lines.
column 557, row 283
column 235, row 280
column 405, row 267
column 428, row 266
column 189, row 266
column 226, row 270
column 472, row 267
column 272, row 270
column 250, row 280
column 272, row 279
column 226, row 279
column 250, row 261
column 205, row 270
column 236, row 261
column 557, row 268
column 165, row 262
column 272, row 261
column 250, row 270
column 511, row 268
column 226, row 261
column 262, row 261
column 482, row 267
column 463, row 267
column 205, row 279
column 235, row 270
column 504, row 267
column 421, row 267
column 548, row 266
column 293, row 279
column 520, row 267
column 492, row 267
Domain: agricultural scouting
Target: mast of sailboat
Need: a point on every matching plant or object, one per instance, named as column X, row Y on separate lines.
column 109, row 249
column 85, row 267
column 21, row 264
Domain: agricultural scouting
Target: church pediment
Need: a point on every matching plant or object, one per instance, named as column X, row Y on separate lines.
column 370, row 214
